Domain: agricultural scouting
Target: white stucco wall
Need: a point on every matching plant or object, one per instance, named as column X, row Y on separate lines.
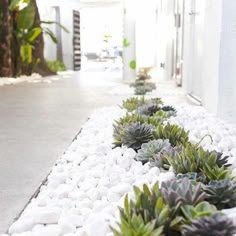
column 227, row 63
column 217, row 67
column 211, row 55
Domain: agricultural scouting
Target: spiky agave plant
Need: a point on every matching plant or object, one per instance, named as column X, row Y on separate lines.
column 148, row 207
column 150, row 149
column 221, row 193
column 215, row 225
column 192, row 159
column 133, row 103
column 175, row 134
column 182, row 192
column 214, row 172
column 132, row 118
column 134, row 135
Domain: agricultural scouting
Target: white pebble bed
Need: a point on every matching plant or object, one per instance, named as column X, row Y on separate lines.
column 91, row 179
column 35, row 78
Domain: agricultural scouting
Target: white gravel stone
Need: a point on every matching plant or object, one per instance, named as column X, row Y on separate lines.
column 91, row 179
column 22, row 225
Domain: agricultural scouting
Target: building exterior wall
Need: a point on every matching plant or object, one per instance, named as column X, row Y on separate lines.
column 217, row 65
column 227, row 63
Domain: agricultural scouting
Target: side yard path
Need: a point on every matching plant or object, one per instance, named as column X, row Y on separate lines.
column 37, row 122
column 89, row 182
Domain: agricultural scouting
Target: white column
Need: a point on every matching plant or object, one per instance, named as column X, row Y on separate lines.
column 145, row 33
column 129, row 53
column 227, row 63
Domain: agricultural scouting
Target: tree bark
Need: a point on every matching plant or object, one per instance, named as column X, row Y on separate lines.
column 38, row 52
column 6, row 67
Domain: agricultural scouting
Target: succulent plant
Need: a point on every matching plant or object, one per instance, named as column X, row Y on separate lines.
column 215, row 225
column 135, row 226
column 192, row 159
column 133, row 103
column 147, row 208
column 221, row 193
column 222, row 160
column 148, row 109
column 148, row 150
column 156, row 100
column 202, row 209
column 135, row 134
column 142, row 89
column 160, row 159
column 168, row 108
column 132, row 118
column 182, row 192
column 192, row 176
column 175, row 134
column 118, row 134
column 214, row 172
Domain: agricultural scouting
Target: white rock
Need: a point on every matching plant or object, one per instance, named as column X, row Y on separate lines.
column 121, row 188
column 49, row 230
column 46, row 216
column 67, row 227
column 97, row 227
column 22, row 225
column 75, row 220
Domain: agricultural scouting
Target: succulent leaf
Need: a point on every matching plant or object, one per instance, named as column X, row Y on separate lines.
column 175, row 134
column 182, row 192
column 150, row 149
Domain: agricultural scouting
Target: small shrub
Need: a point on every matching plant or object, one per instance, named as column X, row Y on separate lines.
column 56, row 66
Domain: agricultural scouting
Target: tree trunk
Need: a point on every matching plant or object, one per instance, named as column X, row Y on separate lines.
column 6, row 67
column 38, row 52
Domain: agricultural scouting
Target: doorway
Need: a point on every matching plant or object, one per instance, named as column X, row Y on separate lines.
column 178, row 42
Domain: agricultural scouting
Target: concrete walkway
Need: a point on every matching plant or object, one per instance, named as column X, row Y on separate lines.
column 38, row 122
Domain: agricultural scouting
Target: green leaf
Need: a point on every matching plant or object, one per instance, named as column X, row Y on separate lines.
column 25, row 18
column 33, row 34
column 54, row 22
column 51, row 35
column 15, row 4
column 132, row 65
column 26, row 53
column 187, row 211
column 126, row 203
column 146, row 190
column 126, row 43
